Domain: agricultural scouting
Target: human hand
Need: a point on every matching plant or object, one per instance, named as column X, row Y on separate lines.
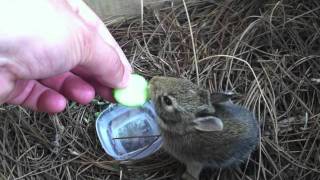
column 54, row 50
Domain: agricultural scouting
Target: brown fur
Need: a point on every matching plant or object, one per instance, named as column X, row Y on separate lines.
column 197, row 148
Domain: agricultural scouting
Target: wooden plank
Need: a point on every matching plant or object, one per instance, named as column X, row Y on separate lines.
column 110, row 8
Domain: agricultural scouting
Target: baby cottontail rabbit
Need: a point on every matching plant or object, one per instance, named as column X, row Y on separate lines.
column 199, row 129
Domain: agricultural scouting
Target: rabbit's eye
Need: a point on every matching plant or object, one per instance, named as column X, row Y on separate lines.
column 167, row 100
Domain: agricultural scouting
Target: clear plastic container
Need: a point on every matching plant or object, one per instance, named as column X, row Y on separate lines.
column 129, row 132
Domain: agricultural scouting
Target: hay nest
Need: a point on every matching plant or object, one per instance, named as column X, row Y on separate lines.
column 269, row 52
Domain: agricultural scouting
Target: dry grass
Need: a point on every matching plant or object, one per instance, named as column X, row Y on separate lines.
column 271, row 57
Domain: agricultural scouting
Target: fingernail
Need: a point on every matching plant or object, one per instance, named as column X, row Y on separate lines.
column 51, row 102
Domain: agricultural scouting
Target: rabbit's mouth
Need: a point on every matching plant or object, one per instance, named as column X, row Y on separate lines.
column 168, row 121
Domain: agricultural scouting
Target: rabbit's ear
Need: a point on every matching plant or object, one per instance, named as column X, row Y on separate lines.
column 208, row 124
column 217, row 98
column 204, row 95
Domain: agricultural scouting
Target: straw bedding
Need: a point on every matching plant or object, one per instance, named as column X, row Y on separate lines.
column 268, row 52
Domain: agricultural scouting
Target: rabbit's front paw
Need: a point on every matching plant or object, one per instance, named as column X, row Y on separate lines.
column 187, row 176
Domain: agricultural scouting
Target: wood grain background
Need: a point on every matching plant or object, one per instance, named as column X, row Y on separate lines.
column 109, row 8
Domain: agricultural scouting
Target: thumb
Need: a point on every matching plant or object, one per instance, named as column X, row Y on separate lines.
column 107, row 64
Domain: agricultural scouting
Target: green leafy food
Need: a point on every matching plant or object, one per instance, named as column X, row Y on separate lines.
column 135, row 94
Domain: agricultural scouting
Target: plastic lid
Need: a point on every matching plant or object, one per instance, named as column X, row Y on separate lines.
column 129, row 133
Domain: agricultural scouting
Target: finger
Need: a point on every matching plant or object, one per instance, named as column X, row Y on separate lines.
column 107, row 62
column 32, row 94
column 72, row 87
column 103, row 91
column 6, row 86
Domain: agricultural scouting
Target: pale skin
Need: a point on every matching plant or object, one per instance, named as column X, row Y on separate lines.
column 52, row 51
